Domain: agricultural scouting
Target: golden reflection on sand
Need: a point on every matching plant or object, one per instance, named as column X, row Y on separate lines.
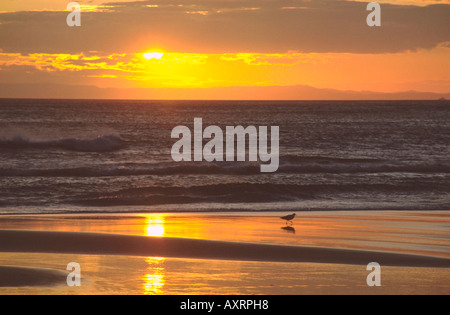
column 153, row 280
column 154, row 225
column 412, row 232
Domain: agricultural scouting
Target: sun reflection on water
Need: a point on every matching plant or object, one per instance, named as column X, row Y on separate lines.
column 153, row 280
column 154, row 225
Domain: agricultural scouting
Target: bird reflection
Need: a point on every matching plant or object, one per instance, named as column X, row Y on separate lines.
column 289, row 229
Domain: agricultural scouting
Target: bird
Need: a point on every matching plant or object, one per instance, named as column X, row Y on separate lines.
column 289, row 218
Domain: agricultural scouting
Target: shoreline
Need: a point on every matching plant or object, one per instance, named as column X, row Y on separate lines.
column 219, row 212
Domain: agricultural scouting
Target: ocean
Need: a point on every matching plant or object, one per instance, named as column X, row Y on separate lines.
column 106, row 156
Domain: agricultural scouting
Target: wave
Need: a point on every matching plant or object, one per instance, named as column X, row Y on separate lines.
column 250, row 193
column 318, row 164
column 288, row 165
column 107, row 143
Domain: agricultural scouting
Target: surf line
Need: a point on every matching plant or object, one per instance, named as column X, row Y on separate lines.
column 234, row 140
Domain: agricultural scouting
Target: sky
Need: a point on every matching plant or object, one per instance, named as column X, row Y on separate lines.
column 199, row 45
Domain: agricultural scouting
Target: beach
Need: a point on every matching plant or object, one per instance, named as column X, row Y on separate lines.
column 323, row 252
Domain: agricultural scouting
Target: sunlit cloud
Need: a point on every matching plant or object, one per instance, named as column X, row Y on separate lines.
column 96, row 8
column 53, row 6
column 287, row 59
column 227, row 10
column 198, row 12
column 412, row 2
column 391, row 72
column 294, row 8
column 66, row 62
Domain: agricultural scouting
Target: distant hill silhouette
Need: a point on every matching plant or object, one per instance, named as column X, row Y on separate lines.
column 297, row 92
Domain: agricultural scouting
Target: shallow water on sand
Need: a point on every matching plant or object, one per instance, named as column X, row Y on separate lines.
column 155, row 276
column 413, row 232
column 406, row 231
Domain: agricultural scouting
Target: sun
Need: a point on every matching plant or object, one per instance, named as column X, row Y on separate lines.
column 153, row 55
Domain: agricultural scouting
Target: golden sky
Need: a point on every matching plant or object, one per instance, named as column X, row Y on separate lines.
column 201, row 44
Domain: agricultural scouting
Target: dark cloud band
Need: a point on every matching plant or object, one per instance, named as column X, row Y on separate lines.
column 218, row 26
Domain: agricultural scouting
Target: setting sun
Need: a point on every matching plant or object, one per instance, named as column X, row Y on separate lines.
column 153, row 55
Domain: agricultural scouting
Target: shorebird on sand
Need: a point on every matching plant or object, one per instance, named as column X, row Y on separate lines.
column 289, row 218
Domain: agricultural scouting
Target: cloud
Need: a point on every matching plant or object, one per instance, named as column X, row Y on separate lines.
column 266, row 59
column 228, row 27
column 414, row 2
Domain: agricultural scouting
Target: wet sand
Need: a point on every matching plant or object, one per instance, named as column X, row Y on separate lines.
column 30, row 277
column 323, row 252
column 148, row 246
